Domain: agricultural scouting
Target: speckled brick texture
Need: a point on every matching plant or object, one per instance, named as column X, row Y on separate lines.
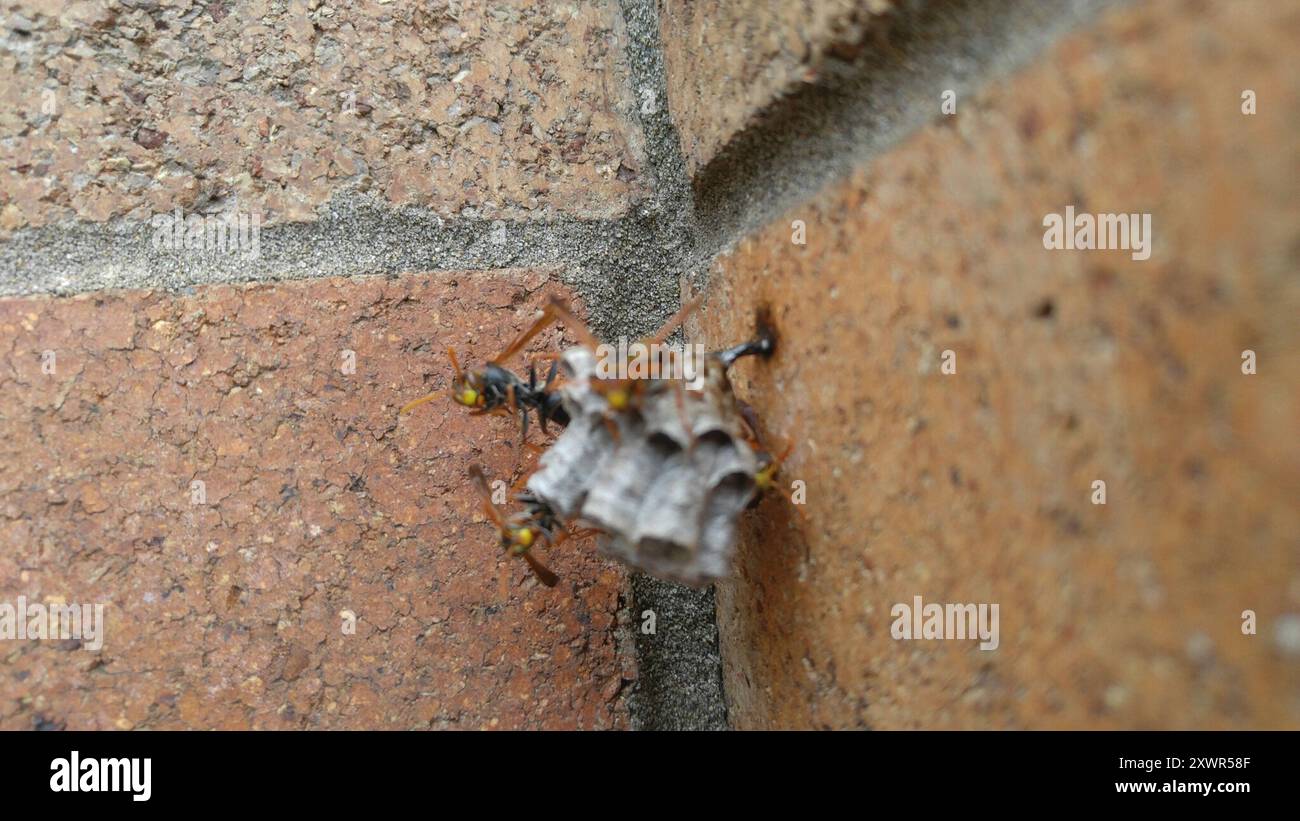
column 1071, row 366
column 510, row 108
column 728, row 60
column 223, row 609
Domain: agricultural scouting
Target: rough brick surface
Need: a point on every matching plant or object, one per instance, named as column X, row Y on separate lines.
column 509, row 108
column 318, row 500
column 727, row 60
column 1071, row 367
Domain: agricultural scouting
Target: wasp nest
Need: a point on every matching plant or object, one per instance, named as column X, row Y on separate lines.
column 669, row 487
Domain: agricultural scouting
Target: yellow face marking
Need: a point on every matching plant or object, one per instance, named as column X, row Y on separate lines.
column 468, row 397
column 524, row 539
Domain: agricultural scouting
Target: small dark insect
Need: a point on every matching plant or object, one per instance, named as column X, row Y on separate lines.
column 623, row 394
column 769, row 463
column 520, row 531
column 497, row 390
column 762, row 344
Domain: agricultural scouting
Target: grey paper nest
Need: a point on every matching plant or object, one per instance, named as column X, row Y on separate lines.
column 669, row 508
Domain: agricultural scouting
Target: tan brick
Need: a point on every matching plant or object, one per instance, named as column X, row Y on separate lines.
column 318, row 500
column 510, row 108
column 1072, row 366
column 727, row 60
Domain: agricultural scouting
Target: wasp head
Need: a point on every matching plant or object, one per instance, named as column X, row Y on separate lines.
column 466, row 388
column 521, row 538
column 769, row 465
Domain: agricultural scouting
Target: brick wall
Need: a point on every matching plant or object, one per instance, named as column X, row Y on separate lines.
column 424, row 158
column 876, row 172
column 976, row 483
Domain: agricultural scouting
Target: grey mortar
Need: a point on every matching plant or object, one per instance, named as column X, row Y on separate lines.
column 679, row 666
column 626, row 269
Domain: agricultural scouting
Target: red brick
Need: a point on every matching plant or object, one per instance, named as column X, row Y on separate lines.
column 1072, row 366
column 319, row 500
column 729, row 59
column 512, row 109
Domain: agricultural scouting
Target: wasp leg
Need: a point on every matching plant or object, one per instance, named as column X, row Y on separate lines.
column 534, row 449
column 550, row 408
column 455, row 365
column 561, row 312
column 523, row 429
column 675, row 380
column 523, row 339
column 544, row 575
column 513, row 407
column 612, row 426
column 554, row 311
column 544, row 409
column 679, row 396
column 673, row 321
column 750, row 416
column 580, row 533
column 485, row 496
column 765, row 479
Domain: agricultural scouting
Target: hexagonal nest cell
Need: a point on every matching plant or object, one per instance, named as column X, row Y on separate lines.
column 665, row 480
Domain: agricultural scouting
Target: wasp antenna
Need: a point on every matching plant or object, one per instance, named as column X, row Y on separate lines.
column 675, row 320
column 792, row 436
column 415, row 403
column 485, row 494
column 451, row 354
column 779, row 459
column 560, row 311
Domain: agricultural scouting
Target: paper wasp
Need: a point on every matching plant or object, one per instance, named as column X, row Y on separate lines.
column 620, row 394
column 623, row 393
column 769, row 462
column 520, row 531
column 497, row 390
column 626, row 394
